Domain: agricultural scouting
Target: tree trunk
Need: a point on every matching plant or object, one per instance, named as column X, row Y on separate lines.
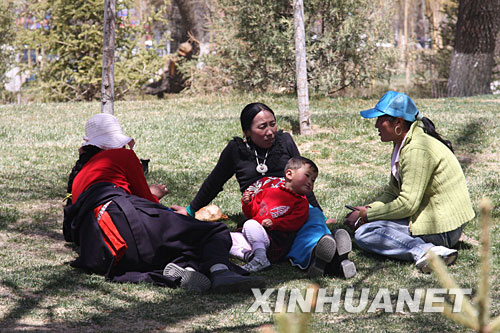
column 301, row 68
column 406, row 50
column 108, row 58
column 195, row 15
column 473, row 57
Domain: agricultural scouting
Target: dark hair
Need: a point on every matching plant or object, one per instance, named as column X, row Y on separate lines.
column 88, row 152
column 250, row 111
column 297, row 162
column 430, row 129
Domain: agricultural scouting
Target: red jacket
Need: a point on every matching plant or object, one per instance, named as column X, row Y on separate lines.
column 122, row 168
column 118, row 166
column 287, row 209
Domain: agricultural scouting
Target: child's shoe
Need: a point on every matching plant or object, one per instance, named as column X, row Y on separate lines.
column 340, row 265
column 257, row 264
column 321, row 255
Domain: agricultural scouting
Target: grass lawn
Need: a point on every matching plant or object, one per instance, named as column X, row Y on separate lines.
column 183, row 137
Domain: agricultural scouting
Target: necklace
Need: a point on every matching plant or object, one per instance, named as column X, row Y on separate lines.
column 261, row 167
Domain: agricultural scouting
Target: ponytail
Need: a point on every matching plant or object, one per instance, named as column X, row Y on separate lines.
column 88, row 152
column 430, row 129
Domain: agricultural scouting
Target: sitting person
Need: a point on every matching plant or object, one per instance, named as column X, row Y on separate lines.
column 124, row 232
column 276, row 209
column 426, row 204
column 263, row 152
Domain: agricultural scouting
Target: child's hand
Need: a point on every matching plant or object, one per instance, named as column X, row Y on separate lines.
column 246, row 198
column 267, row 223
column 331, row 221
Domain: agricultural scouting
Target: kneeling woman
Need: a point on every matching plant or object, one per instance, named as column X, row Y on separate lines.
column 426, row 204
column 124, row 232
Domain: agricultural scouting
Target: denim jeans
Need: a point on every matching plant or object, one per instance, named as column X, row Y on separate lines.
column 393, row 239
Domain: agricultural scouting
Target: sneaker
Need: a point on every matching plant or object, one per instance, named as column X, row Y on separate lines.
column 190, row 279
column 226, row 281
column 449, row 257
column 322, row 254
column 257, row 264
column 248, row 256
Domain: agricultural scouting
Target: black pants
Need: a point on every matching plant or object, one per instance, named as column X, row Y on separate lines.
column 156, row 236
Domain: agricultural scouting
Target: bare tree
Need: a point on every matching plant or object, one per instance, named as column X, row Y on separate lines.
column 301, row 68
column 473, row 57
column 108, row 58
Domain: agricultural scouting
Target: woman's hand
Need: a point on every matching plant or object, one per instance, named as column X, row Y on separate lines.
column 353, row 220
column 131, row 144
column 179, row 210
column 158, row 190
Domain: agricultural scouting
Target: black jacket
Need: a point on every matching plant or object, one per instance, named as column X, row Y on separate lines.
column 237, row 159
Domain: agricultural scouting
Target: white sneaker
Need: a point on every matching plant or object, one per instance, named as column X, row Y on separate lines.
column 449, row 257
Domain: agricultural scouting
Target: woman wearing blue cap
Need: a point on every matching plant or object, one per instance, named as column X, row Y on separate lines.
column 426, row 204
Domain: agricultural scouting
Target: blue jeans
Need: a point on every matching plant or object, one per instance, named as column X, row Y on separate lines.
column 393, row 239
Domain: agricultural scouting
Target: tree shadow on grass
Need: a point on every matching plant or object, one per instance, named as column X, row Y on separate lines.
column 292, row 122
column 470, row 141
column 178, row 308
column 96, row 304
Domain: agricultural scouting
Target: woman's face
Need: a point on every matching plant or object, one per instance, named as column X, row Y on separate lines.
column 263, row 129
column 385, row 126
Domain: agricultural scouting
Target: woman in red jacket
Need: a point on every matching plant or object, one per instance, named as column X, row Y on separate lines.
column 124, row 232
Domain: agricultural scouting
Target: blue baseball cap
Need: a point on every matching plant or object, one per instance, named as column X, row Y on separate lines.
column 394, row 104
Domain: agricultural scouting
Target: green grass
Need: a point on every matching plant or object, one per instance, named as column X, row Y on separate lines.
column 183, row 137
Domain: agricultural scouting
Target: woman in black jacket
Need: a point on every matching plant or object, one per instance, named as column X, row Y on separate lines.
column 263, row 152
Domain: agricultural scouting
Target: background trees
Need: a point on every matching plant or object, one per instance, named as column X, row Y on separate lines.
column 248, row 45
column 473, row 57
column 66, row 36
column 255, row 44
column 6, row 38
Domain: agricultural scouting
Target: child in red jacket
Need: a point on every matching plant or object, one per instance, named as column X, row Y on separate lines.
column 276, row 209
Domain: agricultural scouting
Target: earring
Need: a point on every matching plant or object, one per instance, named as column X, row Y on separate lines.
column 396, row 130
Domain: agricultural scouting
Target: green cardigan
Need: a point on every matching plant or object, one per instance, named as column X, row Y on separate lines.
column 431, row 190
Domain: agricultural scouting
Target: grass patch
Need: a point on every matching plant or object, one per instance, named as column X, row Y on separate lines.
column 183, row 137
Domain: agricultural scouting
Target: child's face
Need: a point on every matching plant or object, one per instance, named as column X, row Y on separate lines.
column 302, row 180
